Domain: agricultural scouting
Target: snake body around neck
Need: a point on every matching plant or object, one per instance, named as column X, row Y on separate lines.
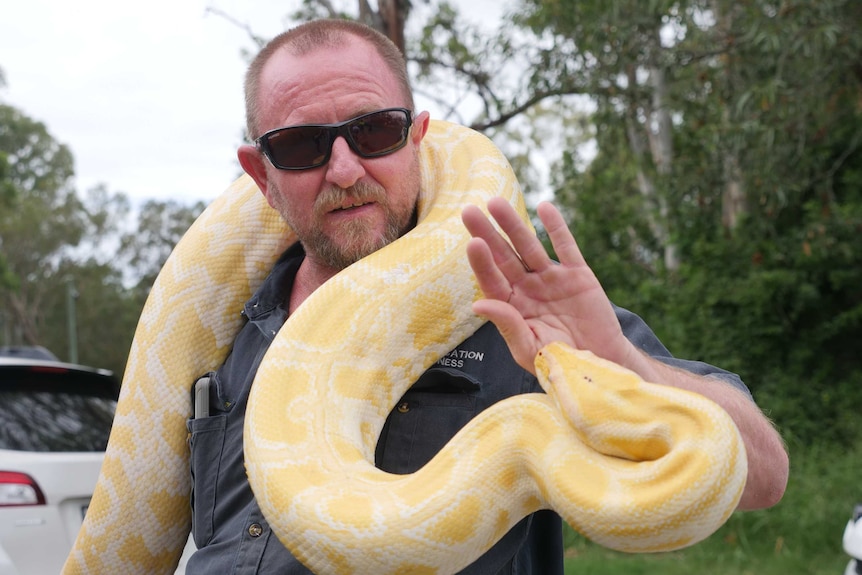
column 634, row 466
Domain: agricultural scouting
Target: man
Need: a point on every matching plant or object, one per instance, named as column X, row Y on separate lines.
column 346, row 197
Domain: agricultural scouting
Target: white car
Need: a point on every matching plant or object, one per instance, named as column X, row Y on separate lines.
column 852, row 542
column 55, row 419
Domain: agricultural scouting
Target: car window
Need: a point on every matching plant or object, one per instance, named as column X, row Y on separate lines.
column 54, row 411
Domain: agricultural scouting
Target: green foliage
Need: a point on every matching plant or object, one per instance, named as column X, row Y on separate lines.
column 762, row 202
column 106, row 314
column 42, row 217
column 7, row 195
column 779, row 302
column 54, row 239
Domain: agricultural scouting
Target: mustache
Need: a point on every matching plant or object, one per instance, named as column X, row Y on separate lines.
column 333, row 197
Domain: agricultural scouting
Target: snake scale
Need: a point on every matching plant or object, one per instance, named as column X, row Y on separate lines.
column 632, row 465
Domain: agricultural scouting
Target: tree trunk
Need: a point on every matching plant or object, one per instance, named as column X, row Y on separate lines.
column 389, row 18
column 733, row 201
column 393, row 15
column 658, row 131
column 23, row 318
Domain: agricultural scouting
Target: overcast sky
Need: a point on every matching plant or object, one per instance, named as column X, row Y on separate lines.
column 148, row 96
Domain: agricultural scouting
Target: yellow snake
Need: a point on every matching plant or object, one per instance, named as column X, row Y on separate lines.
column 631, row 465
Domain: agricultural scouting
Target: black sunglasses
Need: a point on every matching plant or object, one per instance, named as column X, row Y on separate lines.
column 310, row 145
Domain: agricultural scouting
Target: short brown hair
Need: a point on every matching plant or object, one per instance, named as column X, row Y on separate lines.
column 310, row 36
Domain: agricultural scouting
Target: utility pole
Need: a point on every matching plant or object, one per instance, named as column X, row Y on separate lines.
column 71, row 319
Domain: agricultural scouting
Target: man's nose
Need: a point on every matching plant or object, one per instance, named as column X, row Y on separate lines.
column 345, row 167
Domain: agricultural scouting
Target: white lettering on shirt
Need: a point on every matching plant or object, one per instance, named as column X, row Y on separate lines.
column 457, row 357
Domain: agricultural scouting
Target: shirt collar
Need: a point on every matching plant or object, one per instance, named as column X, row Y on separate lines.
column 275, row 289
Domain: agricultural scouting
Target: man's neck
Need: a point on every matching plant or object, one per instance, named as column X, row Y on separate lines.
column 310, row 276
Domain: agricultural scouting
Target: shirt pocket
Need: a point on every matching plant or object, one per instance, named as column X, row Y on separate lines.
column 206, row 443
column 438, row 405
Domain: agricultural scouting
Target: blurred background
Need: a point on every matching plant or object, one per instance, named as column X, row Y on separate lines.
column 707, row 155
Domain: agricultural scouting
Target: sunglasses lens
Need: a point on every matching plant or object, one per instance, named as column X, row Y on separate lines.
column 371, row 135
column 299, row 147
column 379, row 133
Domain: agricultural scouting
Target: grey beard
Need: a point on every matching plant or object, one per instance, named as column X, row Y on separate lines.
column 333, row 254
column 339, row 257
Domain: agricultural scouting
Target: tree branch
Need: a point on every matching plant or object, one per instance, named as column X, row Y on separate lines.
column 521, row 108
column 260, row 41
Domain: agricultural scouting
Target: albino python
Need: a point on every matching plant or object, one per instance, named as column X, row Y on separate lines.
column 631, row 465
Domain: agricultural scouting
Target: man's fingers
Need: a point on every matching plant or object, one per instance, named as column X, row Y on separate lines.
column 479, row 226
column 528, row 247
column 564, row 243
column 491, row 279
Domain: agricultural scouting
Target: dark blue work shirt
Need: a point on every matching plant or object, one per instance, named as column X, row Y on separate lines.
column 228, row 527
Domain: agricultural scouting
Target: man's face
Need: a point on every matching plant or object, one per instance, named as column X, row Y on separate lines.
column 351, row 206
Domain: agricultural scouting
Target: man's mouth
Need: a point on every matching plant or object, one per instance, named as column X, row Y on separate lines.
column 351, row 206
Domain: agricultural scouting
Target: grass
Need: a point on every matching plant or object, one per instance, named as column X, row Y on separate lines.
column 799, row 536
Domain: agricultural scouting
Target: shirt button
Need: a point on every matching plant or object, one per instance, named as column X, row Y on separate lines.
column 255, row 530
column 403, row 407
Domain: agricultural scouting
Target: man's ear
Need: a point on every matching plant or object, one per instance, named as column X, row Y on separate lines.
column 420, row 127
column 254, row 164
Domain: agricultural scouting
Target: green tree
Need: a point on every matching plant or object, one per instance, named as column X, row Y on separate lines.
column 42, row 218
column 748, row 142
column 7, row 192
column 47, row 229
column 106, row 313
column 54, row 240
